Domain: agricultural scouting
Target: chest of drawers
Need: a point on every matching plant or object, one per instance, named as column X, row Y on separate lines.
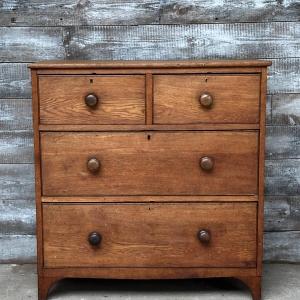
column 149, row 169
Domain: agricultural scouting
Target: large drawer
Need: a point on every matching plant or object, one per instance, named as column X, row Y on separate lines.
column 150, row 235
column 111, row 99
column 195, row 99
column 149, row 163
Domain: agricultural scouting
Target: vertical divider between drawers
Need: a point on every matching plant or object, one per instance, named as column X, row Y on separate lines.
column 149, row 98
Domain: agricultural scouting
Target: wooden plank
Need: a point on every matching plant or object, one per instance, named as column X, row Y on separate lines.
column 149, row 99
column 17, row 217
column 23, row 44
column 15, row 114
column 17, row 249
column 16, row 147
column 70, row 12
column 282, row 177
column 16, row 182
column 282, row 213
column 211, row 11
column 282, row 246
column 208, row 41
column 283, row 142
column 285, row 109
column 113, row 12
column 284, row 76
column 14, row 80
column 269, row 109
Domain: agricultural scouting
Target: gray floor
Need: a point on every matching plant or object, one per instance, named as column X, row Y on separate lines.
column 281, row 282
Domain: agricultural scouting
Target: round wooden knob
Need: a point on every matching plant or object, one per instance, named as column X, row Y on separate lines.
column 206, row 163
column 94, row 238
column 91, row 100
column 93, row 165
column 206, row 100
column 204, row 236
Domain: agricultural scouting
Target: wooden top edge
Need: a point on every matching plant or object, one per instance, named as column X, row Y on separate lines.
column 106, row 64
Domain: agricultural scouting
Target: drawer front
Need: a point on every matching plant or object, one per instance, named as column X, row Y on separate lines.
column 153, row 163
column 92, row 99
column 192, row 99
column 150, row 235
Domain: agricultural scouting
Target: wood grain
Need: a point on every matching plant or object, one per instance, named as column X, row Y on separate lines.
column 69, row 13
column 154, row 235
column 255, row 283
column 283, row 76
column 37, row 172
column 283, row 142
column 16, row 147
column 25, row 44
column 151, row 66
column 282, row 213
column 206, row 41
column 14, row 80
column 283, row 177
column 149, row 127
column 17, row 248
column 153, row 163
column 121, row 99
column 15, row 114
column 150, row 199
column 286, row 109
column 149, row 273
column 16, row 182
column 269, row 110
column 211, row 11
column 235, row 99
column 282, row 246
column 17, row 217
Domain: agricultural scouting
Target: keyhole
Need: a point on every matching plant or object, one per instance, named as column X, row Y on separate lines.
column 206, row 79
column 91, row 80
column 148, row 137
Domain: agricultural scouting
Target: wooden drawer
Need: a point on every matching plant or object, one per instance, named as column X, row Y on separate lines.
column 149, row 163
column 150, row 235
column 234, row 98
column 121, row 99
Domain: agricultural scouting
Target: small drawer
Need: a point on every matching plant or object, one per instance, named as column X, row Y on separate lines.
column 150, row 235
column 114, row 99
column 195, row 99
column 149, row 163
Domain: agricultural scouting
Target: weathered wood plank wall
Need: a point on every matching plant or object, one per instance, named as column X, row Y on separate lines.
column 150, row 29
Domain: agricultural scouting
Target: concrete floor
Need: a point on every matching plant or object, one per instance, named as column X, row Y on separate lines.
column 281, row 282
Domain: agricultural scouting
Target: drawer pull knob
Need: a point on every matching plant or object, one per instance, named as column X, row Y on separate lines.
column 206, row 163
column 94, row 238
column 93, row 165
column 91, row 100
column 206, row 100
column 204, row 236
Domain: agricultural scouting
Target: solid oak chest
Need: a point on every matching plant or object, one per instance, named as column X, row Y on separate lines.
column 149, row 169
